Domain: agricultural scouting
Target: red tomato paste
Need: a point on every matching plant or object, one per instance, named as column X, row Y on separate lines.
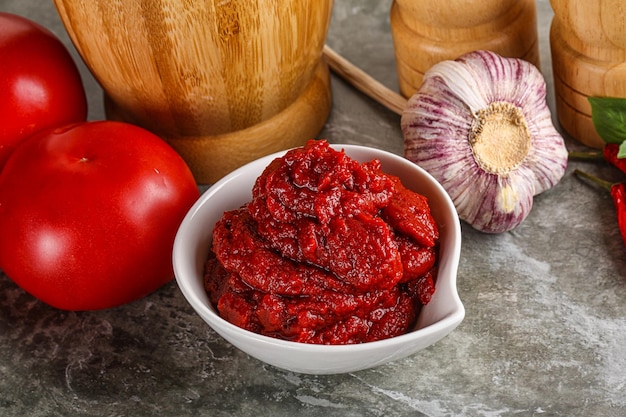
column 329, row 251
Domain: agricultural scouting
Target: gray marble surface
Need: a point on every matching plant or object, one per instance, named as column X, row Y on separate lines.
column 544, row 333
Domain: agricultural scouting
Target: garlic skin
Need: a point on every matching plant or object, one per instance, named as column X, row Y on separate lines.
column 480, row 125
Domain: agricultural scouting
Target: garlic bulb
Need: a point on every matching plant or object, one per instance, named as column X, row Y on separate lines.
column 481, row 126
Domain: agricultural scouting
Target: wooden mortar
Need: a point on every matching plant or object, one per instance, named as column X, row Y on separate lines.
column 588, row 44
column 429, row 31
column 224, row 82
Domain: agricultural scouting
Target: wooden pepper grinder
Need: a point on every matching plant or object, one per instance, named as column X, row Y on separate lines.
column 224, row 82
column 588, row 44
column 429, row 31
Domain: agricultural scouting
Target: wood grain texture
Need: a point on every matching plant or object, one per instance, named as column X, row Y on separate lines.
column 431, row 31
column 206, row 69
column 588, row 46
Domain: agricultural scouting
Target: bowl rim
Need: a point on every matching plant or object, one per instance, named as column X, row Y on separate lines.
column 450, row 320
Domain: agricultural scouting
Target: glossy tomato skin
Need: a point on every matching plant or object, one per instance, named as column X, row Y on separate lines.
column 89, row 212
column 40, row 85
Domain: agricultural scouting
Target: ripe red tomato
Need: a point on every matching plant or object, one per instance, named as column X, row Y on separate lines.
column 89, row 212
column 40, row 86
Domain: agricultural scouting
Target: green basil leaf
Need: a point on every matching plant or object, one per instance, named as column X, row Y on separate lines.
column 622, row 150
column 608, row 115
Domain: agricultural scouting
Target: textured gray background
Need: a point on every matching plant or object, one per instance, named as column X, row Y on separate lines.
column 543, row 334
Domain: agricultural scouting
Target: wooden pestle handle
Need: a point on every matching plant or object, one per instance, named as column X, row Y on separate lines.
column 364, row 82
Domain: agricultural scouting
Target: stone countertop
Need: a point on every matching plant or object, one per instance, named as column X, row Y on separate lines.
column 544, row 332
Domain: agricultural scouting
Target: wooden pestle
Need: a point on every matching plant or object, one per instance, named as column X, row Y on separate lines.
column 363, row 82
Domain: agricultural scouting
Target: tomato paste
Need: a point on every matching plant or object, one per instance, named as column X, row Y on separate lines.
column 328, row 251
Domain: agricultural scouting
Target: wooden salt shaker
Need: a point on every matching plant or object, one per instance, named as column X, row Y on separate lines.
column 223, row 82
column 588, row 44
column 429, row 31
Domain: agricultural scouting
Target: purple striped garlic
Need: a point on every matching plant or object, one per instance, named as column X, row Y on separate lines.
column 480, row 125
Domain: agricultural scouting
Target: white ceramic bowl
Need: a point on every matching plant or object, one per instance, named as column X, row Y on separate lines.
column 438, row 318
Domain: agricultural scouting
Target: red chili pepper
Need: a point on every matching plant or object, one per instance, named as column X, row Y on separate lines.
column 618, row 193
column 609, row 152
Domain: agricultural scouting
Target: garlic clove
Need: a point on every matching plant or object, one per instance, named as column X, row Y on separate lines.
column 481, row 126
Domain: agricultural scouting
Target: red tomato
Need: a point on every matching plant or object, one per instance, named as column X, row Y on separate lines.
column 40, row 86
column 89, row 212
